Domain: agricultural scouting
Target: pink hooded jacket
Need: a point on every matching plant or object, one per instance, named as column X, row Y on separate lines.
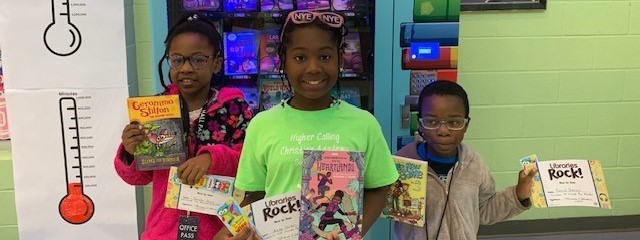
column 162, row 223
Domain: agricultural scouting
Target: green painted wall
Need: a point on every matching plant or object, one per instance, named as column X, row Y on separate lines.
column 562, row 83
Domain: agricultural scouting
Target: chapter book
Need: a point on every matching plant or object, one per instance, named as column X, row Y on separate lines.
column 277, row 217
column 241, row 53
column 233, row 216
column 332, row 194
column 251, row 96
column 406, row 200
column 563, row 183
column 209, row 5
column 349, row 94
column 160, row 117
column 206, row 196
column 275, row 5
column 269, row 59
column 240, row 5
column 347, row 5
column 352, row 57
column 272, row 92
column 313, row 4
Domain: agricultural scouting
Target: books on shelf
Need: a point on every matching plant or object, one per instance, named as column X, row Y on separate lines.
column 208, row 5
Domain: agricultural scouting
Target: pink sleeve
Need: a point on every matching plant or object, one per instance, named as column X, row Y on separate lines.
column 224, row 159
column 128, row 173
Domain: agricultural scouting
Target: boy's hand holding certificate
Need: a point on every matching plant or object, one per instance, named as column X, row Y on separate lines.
column 561, row 183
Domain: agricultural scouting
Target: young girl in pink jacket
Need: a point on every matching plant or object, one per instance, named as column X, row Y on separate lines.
column 218, row 117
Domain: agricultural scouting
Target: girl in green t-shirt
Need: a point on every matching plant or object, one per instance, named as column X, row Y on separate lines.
column 311, row 55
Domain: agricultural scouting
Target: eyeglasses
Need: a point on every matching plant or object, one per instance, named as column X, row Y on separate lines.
column 431, row 123
column 332, row 19
column 197, row 61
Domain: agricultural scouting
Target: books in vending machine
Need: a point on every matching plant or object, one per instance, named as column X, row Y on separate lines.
column 276, row 5
column 209, row 5
column 241, row 53
column 240, row 5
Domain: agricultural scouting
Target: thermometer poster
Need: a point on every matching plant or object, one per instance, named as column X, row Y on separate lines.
column 65, row 67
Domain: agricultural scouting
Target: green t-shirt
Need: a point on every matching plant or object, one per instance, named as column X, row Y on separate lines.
column 271, row 159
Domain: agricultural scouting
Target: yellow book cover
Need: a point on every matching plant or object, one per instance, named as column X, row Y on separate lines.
column 160, row 117
column 563, row 183
column 406, row 200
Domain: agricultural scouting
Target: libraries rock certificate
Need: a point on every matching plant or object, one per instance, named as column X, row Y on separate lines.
column 277, row 217
column 562, row 183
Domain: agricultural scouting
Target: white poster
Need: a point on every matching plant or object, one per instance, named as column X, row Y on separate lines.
column 65, row 66
column 63, row 44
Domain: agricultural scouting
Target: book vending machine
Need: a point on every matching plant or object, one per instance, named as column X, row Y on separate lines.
column 429, row 52
column 250, row 31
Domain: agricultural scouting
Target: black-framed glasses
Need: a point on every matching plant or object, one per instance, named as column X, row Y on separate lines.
column 197, row 61
column 432, row 123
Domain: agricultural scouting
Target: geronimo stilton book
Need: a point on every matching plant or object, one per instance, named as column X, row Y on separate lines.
column 160, row 118
column 332, row 194
column 406, row 200
column 563, row 183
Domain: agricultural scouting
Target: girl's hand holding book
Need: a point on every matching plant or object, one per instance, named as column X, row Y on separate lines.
column 191, row 171
column 132, row 135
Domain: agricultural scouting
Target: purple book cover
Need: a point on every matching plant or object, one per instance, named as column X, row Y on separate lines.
column 269, row 59
column 275, row 5
column 352, row 57
column 241, row 53
column 332, row 194
column 240, row 5
column 347, row 5
column 313, row 4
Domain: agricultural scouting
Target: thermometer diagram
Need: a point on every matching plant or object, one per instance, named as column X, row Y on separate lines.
column 61, row 36
column 75, row 207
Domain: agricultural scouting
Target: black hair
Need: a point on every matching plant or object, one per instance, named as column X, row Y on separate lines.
column 339, row 193
column 193, row 22
column 443, row 88
column 337, row 36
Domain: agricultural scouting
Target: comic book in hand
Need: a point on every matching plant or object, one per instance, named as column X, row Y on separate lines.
column 160, row 118
column 406, row 199
column 241, row 53
column 269, row 59
column 272, row 92
column 210, row 5
column 563, row 183
column 275, row 5
column 277, row 217
column 332, row 194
